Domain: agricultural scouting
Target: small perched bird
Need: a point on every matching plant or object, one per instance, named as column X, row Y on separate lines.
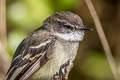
column 48, row 52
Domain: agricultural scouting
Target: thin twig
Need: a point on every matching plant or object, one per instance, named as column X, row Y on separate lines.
column 103, row 39
column 4, row 62
column 3, row 34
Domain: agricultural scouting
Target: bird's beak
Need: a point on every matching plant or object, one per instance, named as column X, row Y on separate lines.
column 86, row 28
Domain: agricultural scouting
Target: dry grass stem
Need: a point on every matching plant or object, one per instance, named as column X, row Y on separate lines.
column 3, row 32
column 103, row 39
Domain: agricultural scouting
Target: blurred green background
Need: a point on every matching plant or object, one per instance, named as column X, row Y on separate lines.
column 23, row 16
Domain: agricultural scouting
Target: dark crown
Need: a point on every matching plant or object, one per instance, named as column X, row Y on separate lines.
column 66, row 19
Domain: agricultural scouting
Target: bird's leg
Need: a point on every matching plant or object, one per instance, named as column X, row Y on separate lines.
column 64, row 71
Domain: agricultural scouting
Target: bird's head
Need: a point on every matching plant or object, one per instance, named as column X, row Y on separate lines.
column 66, row 25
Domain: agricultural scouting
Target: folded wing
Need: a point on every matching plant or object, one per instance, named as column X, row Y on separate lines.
column 31, row 55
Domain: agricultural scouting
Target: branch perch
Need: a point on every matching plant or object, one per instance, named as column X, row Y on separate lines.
column 3, row 32
column 103, row 39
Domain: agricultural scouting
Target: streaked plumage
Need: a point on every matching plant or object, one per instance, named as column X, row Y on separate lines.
column 48, row 52
column 28, row 54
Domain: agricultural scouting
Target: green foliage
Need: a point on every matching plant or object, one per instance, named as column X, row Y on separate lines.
column 62, row 5
column 14, row 39
column 27, row 14
column 97, row 67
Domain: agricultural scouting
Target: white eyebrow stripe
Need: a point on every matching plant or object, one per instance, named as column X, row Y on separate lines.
column 66, row 22
column 59, row 20
column 42, row 44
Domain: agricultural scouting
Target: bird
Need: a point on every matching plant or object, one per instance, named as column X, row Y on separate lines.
column 48, row 52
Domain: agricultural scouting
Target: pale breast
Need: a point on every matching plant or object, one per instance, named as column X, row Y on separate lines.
column 62, row 53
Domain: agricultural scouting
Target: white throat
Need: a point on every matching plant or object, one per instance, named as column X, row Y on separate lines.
column 73, row 36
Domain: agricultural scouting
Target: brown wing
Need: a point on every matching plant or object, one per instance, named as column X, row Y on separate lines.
column 30, row 56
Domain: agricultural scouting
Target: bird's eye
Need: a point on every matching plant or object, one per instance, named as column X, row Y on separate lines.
column 65, row 24
column 68, row 26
